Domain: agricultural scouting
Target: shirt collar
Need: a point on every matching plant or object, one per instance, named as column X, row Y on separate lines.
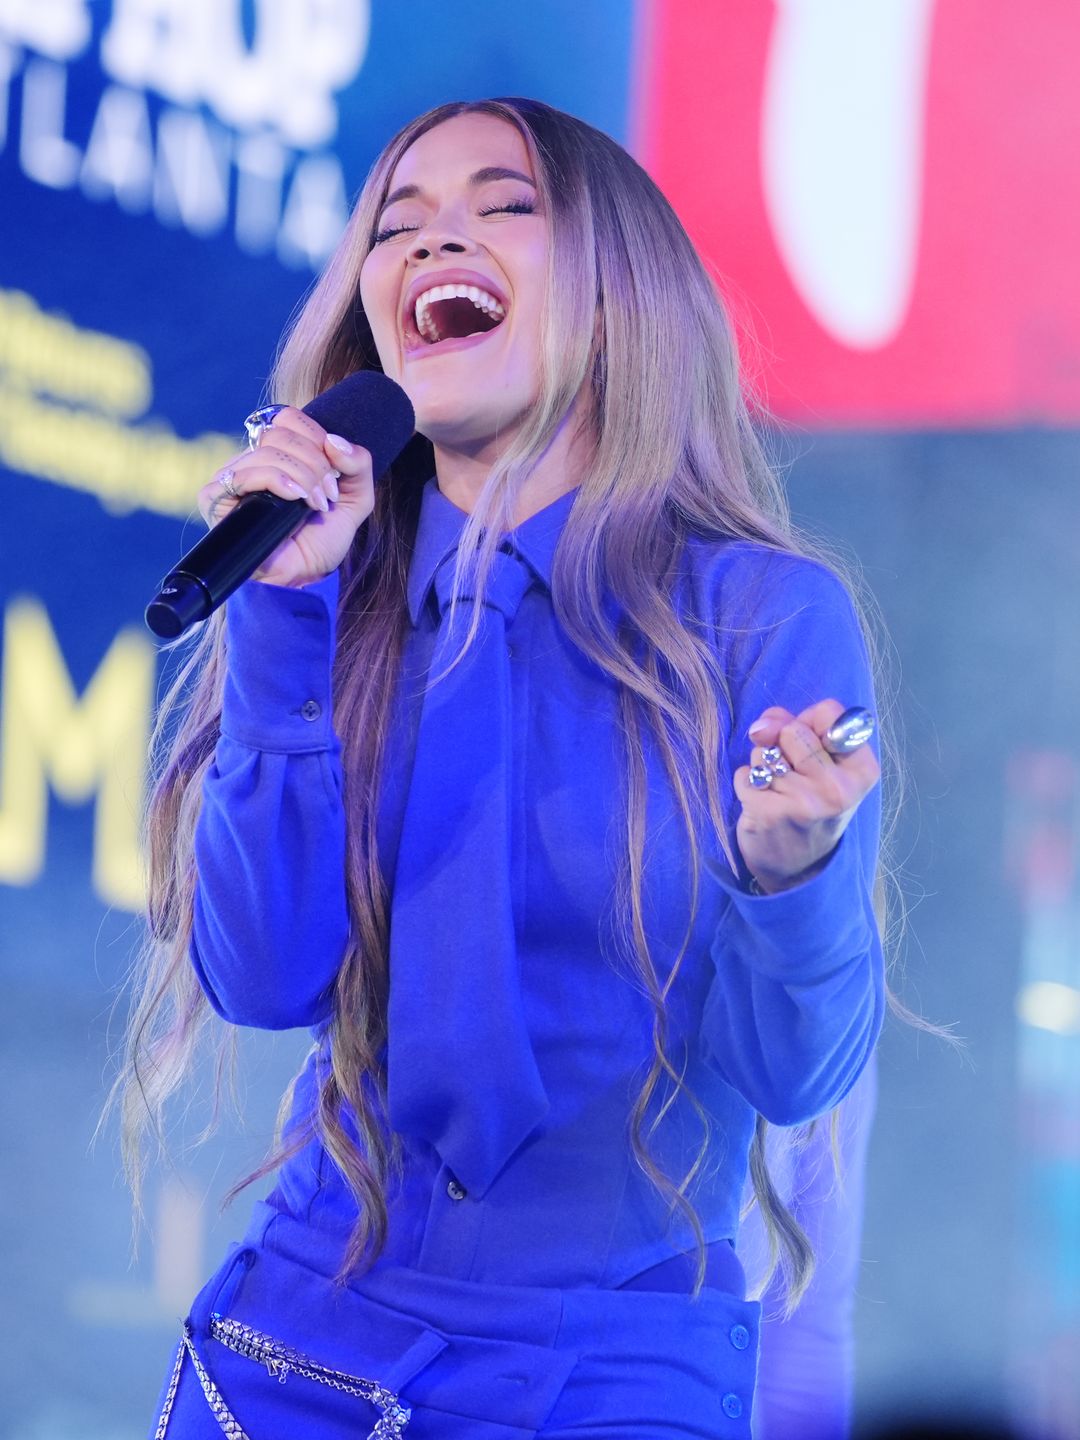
column 440, row 527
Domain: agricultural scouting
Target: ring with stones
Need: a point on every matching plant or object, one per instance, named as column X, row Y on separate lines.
column 227, row 481
column 258, row 421
column 772, row 757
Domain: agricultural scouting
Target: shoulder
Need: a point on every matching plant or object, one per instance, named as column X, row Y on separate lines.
column 746, row 590
column 783, row 627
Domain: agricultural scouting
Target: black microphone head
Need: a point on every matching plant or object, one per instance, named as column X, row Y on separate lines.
column 369, row 409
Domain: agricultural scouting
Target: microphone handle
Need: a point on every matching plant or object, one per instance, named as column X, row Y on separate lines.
column 223, row 558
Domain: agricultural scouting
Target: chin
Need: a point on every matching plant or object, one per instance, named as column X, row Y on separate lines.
column 453, row 426
column 454, row 435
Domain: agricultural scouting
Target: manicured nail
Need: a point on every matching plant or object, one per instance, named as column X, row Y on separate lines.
column 295, row 488
column 319, row 496
column 339, row 443
column 330, row 485
column 757, row 726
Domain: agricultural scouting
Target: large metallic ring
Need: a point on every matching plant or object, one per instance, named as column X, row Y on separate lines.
column 258, row 421
column 227, row 481
column 850, row 730
column 761, row 777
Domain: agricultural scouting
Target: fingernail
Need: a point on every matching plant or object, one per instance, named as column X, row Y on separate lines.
column 330, row 485
column 296, row 489
column 757, row 726
column 339, row 443
column 319, row 496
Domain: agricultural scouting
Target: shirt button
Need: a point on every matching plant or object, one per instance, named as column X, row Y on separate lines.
column 456, row 1191
column 732, row 1406
column 311, row 710
column 740, row 1337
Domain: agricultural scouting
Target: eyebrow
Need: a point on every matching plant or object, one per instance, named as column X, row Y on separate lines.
column 478, row 177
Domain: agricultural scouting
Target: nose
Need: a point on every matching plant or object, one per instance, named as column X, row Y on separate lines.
column 431, row 241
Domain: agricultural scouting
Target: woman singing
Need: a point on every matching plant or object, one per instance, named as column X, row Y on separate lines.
column 508, row 778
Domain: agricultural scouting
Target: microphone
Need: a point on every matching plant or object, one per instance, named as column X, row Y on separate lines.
column 366, row 408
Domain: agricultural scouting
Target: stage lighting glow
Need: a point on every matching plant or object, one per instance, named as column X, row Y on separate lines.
column 1049, row 1006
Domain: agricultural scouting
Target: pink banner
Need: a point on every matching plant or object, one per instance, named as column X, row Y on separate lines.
column 888, row 195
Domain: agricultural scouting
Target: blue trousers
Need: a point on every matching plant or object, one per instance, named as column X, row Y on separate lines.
column 472, row 1361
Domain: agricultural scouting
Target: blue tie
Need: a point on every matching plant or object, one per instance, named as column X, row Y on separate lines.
column 461, row 1072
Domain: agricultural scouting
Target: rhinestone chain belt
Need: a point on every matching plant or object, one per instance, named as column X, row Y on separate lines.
column 280, row 1361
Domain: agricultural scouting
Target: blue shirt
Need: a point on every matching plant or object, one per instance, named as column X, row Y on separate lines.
column 779, row 999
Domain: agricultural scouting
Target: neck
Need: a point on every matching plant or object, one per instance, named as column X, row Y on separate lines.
column 463, row 473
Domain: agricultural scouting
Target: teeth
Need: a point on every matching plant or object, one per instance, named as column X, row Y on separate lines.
column 482, row 299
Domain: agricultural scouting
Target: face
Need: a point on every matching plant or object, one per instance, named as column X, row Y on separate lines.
column 454, row 286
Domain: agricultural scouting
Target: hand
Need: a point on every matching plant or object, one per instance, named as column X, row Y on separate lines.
column 296, row 459
column 787, row 830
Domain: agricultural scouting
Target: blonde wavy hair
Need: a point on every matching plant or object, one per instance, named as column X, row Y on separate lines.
column 633, row 325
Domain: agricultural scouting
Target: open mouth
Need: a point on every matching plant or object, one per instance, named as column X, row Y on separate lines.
column 453, row 312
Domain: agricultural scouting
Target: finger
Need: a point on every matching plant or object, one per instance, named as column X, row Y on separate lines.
column 292, row 435
column 749, row 796
column 294, row 422
column 802, row 745
column 820, row 716
column 307, row 440
column 765, row 730
column 354, row 474
column 304, row 463
column 299, row 448
column 767, row 757
column 296, row 438
column 791, row 796
column 214, row 490
column 838, row 786
column 284, row 477
column 861, row 762
column 858, row 767
column 334, row 458
column 349, row 459
column 215, row 501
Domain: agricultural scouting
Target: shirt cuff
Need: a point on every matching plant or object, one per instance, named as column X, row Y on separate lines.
column 278, row 692
column 807, row 933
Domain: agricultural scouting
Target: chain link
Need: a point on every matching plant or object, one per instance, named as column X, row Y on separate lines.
column 222, row 1414
column 280, row 1361
column 170, row 1393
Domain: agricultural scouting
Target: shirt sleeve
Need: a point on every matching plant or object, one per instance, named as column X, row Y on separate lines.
column 797, row 996
column 271, row 919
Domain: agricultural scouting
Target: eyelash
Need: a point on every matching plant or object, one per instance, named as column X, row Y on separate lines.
column 512, row 207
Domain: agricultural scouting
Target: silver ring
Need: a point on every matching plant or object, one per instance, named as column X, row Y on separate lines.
column 761, row 777
column 850, row 730
column 772, row 757
column 227, row 481
column 260, row 420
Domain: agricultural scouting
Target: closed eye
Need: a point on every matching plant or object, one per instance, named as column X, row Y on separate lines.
column 389, row 231
column 511, row 207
